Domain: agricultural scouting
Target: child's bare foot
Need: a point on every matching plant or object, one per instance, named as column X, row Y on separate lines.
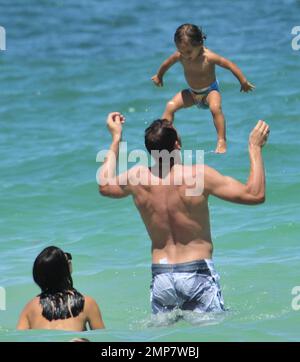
column 221, row 146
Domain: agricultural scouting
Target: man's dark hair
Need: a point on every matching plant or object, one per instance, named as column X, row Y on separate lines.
column 160, row 135
column 189, row 33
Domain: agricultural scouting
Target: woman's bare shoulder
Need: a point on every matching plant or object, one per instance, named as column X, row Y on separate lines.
column 88, row 302
column 33, row 304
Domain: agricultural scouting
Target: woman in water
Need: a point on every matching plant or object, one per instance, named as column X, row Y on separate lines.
column 60, row 305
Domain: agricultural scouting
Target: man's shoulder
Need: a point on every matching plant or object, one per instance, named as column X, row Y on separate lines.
column 138, row 169
column 207, row 172
column 129, row 176
column 192, row 173
column 196, row 168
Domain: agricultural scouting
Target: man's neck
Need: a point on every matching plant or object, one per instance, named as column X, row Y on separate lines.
column 162, row 169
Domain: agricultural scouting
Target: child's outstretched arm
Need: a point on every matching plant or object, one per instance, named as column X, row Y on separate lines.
column 158, row 77
column 246, row 86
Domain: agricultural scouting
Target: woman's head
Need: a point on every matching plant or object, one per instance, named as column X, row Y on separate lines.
column 52, row 270
column 52, row 273
column 188, row 38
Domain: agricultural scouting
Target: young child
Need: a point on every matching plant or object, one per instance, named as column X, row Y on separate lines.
column 199, row 69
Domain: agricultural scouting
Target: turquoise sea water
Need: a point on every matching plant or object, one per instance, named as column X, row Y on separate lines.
column 69, row 63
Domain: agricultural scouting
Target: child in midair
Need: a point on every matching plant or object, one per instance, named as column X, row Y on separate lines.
column 199, row 69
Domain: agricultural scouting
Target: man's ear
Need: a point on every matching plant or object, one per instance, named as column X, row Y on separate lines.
column 177, row 145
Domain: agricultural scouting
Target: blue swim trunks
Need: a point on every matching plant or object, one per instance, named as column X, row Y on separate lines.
column 199, row 95
column 192, row 286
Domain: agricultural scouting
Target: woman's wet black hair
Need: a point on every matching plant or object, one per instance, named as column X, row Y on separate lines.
column 189, row 33
column 58, row 298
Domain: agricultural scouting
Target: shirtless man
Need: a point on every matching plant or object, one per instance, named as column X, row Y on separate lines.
column 183, row 274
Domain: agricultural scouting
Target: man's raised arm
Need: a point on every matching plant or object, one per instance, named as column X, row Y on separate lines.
column 227, row 188
column 109, row 184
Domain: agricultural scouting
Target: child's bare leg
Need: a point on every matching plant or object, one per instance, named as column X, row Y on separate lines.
column 214, row 101
column 182, row 99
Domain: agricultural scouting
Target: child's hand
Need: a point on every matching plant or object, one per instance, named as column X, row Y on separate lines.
column 157, row 81
column 247, row 86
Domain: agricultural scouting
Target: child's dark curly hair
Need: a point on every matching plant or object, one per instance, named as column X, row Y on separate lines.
column 189, row 33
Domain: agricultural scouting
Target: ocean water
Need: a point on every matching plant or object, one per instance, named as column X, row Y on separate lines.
column 67, row 65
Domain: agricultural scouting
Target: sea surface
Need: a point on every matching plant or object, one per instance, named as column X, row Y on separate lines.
column 66, row 65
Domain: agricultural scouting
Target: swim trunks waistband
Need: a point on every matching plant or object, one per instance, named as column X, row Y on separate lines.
column 192, row 286
column 213, row 86
column 192, row 266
